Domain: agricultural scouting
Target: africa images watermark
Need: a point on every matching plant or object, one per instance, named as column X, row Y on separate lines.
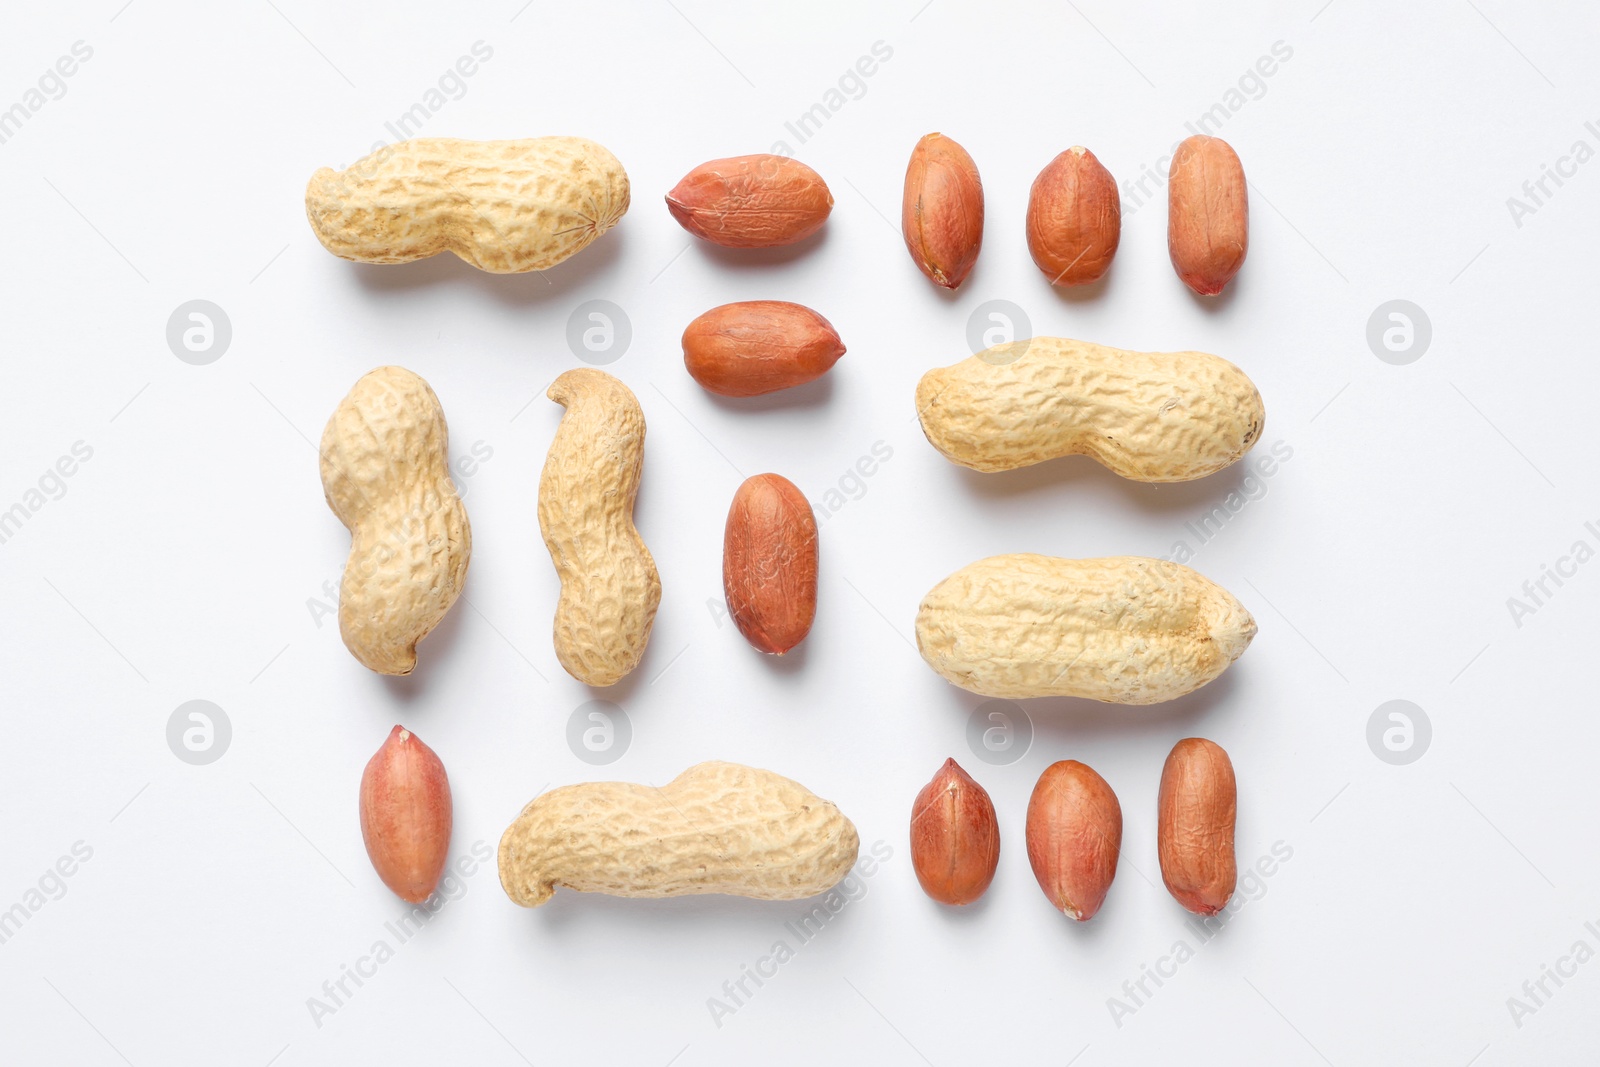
column 51, row 885
column 450, row 85
column 1251, row 85
column 737, row 992
column 50, row 485
column 1536, row 192
column 851, row 85
column 1137, row 992
column 337, row 991
column 1537, row 991
column 1252, row 487
column 51, row 85
column 1538, row 590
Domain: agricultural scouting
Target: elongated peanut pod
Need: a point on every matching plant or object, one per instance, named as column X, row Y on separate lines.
column 1149, row 416
column 609, row 585
column 1196, row 809
column 503, row 206
column 1123, row 629
column 716, row 828
column 384, row 473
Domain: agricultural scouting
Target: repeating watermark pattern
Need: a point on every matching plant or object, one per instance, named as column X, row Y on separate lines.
column 1252, row 487
column 1537, row 191
column 851, row 85
column 1399, row 732
column 599, row 332
column 999, row 732
column 462, row 471
column 199, row 332
column 1537, row 991
column 50, row 485
column 599, row 732
column 1538, row 591
column 450, row 85
column 737, row 992
column 998, row 322
column 51, row 85
column 852, row 484
column 337, row 992
column 50, row 886
column 1251, row 85
column 199, row 732
column 1137, row 992
column 1399, row 332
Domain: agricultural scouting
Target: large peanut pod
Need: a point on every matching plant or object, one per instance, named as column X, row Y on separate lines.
column 1196, row 809
column 716, row 828
column 1122, row 629
column 1149, row 416
column 609, row 584
column 384, row 473
column 503, row 206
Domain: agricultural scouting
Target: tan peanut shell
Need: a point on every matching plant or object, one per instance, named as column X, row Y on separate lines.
column 941, row 210
column 1149, row 416
column 1208, row 214
column 1196, row 810
column 406, row 815
column 503, row 206
column 609, row 584
column 384, row 472
column 756, row 347
column 1122, row 629
column 716, row 828
column 1074, row 218
column 759, row 201
column 1074, row 834
column 769, row 563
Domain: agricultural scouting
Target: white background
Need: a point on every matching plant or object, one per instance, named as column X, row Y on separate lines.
column 181, row 561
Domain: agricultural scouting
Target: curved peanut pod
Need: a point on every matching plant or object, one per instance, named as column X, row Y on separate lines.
column 384, row 474
column 503, row 206
column 1122, row 629
column 716, row 828
column 609, row 584
column 1149, row 416
column 1196, row 809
